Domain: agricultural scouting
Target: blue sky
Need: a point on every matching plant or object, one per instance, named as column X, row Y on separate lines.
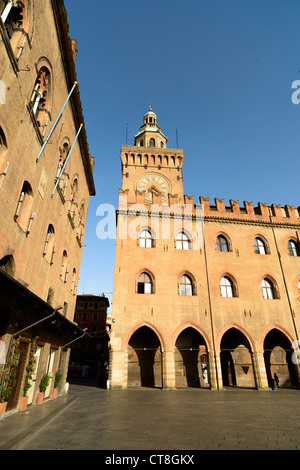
column 220, row 72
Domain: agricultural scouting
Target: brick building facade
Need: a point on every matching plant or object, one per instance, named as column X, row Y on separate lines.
column 46, row 180
column 205, row 294
column 91, row 314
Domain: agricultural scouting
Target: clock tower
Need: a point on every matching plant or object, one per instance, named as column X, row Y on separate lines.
column 151, row 185
column 149, row 168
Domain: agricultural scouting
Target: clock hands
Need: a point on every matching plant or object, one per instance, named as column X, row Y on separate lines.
column 153, row 189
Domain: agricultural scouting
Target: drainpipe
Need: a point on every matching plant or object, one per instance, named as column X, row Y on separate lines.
column 76, row 339
column 210, row 310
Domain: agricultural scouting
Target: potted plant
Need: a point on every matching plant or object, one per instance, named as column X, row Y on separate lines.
column 58, row 377
column 4, row 395
column 29, row 371
column 43, row 387
column 8, row 377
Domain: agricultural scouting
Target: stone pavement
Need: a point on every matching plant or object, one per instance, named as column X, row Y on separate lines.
column 89, row 418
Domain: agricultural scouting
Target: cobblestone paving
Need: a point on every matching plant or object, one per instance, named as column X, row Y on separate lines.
column 174, row 420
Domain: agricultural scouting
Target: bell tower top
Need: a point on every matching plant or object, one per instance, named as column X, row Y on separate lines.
column 150, row 134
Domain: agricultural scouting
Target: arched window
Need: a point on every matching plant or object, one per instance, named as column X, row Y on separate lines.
column 49, row 248
column 3, row 152
column 182, row 241
column 80, row 224
column 185, row 285
column 152, row 142
column 144, row 284
column 3, row 142
column 268, row 289
column 24, row 215
column 7, row 265
column 73, row 199
column 145, row 239
column 64, row 267
column 40, row 100
column 50, row 296
column 222, row 243
column 227, row 287
column 259, row 246
column 293, row 248
column 12, row 17
column 64, row 150
column 17, row 17
column 74, row 282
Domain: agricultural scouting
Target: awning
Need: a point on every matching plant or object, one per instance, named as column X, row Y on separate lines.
column 15, row 295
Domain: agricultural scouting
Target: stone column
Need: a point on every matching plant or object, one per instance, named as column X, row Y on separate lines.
column 118, row 369
column 215, row 373
column 168, row 370
column 259, row 370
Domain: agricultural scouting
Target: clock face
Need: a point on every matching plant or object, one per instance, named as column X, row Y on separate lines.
column 153, row 183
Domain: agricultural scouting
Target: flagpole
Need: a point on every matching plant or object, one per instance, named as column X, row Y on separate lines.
column 64, row 166
column 55, row 124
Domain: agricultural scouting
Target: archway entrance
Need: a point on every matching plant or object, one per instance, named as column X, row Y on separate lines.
column 191, row 360
column 236, row 360
column 144, row 359
column 278, row 359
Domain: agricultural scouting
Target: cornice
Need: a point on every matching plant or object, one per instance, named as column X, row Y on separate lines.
column 62, row 27
column 251, row 222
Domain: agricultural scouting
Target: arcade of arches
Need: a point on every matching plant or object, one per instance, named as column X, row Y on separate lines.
column 192, row 364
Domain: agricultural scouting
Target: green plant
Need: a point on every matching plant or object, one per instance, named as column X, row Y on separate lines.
column 10, row 372
column 58, row 377
column 30, row 367
column 44, row 382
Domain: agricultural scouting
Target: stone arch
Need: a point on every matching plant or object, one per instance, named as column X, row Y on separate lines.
column 195, row 326
column 144, row 358
column 139, row 325
column 191, row 363
column 277, row 347
column 236, row 349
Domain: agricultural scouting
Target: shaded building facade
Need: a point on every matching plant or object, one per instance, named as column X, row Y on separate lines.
column 46, row 180
column 91, row 316
column 206, row 294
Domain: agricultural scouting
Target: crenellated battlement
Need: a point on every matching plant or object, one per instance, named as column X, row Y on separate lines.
column 260, row 213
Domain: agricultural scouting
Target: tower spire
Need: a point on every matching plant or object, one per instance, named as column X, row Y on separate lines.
column 150, row 134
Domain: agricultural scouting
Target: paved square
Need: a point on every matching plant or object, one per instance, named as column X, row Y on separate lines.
column 174, row 420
